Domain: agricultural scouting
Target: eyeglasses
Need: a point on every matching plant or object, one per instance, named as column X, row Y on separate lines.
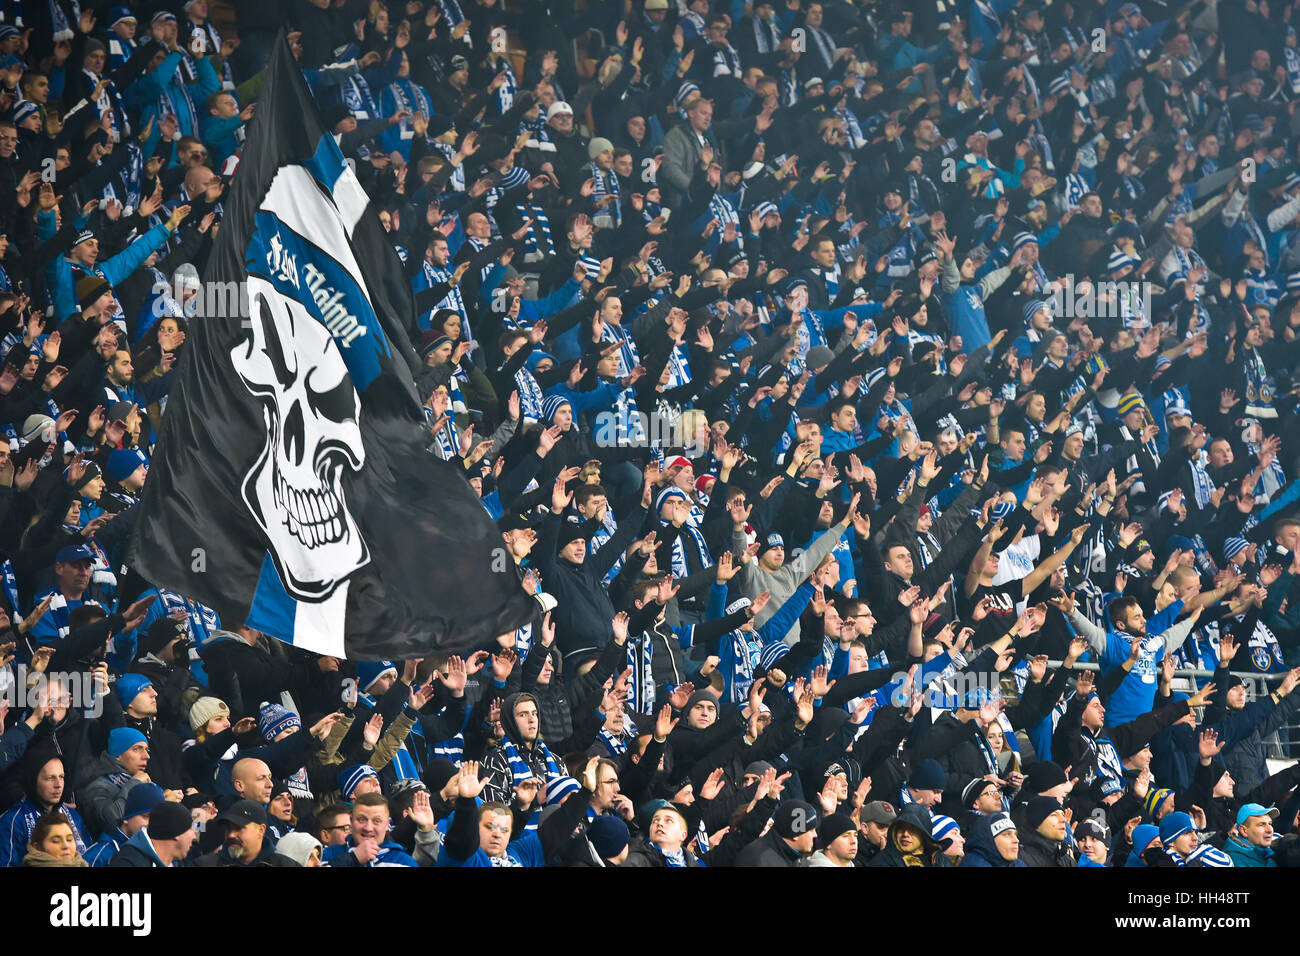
column 346, row 827
column 496, row 827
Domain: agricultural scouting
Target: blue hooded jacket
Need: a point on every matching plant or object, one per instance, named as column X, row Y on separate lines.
column 980, row 848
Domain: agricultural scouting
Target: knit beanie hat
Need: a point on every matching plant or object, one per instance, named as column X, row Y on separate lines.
column 1039, row 809
column 90, row 288
column 928, row 776
column 370, row 671
column 123, row 462
column 274, row 719
column 350, row 777
column 123, row 739
column 559, row 788
column 1043, row 776
column 168, row 820
column 598, row 145
column 128, row 686
column 793, row 818
column 142, row 798
column 204, row 709
column 835, row 825
column 608, row 834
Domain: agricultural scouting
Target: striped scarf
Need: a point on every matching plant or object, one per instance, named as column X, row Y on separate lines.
column 641, row 688
column 766, row 35
column 606, row 184
column 539, row 227
column 519, row 770
column 628, row 356
column 507, row 90
column 409, row 96
column 453, row 300
column 1292, row 57
column 608, row 528
column 679, row 367
column 617, row 745
column 530, row 395
column 680, row 566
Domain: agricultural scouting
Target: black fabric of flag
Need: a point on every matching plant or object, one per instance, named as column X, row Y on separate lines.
column 291, row 487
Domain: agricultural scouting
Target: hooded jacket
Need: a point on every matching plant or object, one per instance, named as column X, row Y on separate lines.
column 1247, row 854
column 137, row 851
column 931, row 854
column 981, row 850
column 16, row 825
column 500, row 780
column 644, row 854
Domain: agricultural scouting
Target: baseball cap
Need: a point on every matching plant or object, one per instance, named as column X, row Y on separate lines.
column 74, row 552
column 879, row 812
column 1255, row 810
column 241, row 813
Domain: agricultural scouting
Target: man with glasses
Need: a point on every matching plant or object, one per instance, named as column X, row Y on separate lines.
column 334, row 824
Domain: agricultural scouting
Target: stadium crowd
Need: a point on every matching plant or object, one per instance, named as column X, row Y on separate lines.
column 886, row 399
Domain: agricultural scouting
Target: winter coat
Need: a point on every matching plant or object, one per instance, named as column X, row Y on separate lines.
column 500, row 778
column 769, row 850
column 982, row 851
column 103, row 799
column 644, row 854
column 1038, row 850
column 137, row 851
column 1247, row 854
column 931, row 854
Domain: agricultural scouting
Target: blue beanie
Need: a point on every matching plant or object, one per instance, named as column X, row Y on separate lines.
column 552, row 404
column 928, row 776
column 142, row 798
column 273, row 720
column 370, row 671
column 608, row 834
column 128, row 685
column 123, row 739
column 123, row 462
column 1174, row 825
column 349, row 778
column 1143, row 834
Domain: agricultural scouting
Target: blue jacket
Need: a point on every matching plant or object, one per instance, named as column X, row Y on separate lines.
column 116, row 268
column 105, row 848
column 390, row 854
column 1247, row 854
column 16, row 830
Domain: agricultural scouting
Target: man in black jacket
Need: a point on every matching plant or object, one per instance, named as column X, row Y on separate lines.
column 1045, row 844
column 245, row 842
column 165, row 841
column 792, row 837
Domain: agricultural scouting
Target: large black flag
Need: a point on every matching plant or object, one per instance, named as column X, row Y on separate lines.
column 291, row 487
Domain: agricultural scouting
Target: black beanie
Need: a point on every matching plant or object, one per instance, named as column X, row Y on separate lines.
column 169, row 820
column 1039, row 809
column 835, row 825
column 1043, row 776
column 161, row 632
column 793, row 818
